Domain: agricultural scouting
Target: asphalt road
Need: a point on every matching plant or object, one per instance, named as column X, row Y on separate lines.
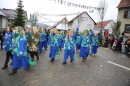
column 107, row 68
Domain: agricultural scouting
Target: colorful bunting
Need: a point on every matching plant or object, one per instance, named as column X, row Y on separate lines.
column 71, row 14
column 75, row 5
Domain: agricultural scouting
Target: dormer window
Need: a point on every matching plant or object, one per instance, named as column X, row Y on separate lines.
column 127, row 14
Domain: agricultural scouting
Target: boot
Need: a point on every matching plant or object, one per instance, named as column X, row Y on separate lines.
column 4, row 67
column 52, row 60
column 13, row 72
column 64, row 63
column 32, row 59
column 11, row 63
column 37, row 58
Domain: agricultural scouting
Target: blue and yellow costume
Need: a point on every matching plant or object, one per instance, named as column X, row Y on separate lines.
column 53, row 41
column 40, row 44
column 85, row 46
column 69, row 47
column 94, row 45
column 28, row 36
column 60, row 41
column 22, row 52
column 78, row 42
column 19, row 48
column 44, row 38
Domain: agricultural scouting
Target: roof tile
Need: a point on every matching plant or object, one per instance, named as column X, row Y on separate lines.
column 124, row 3
column 104, row 24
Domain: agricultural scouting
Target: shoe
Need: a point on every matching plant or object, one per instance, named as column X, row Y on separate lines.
column 37, row 58
column 32, row 60
column 13, row 72
column 4, row 67
column 71, row 61
column 64, row 63
column 52, row 60
column 11, row 63
column 83, row 60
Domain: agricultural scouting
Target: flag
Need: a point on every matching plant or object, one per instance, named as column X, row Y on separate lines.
column 91, row 11
column 61, row 1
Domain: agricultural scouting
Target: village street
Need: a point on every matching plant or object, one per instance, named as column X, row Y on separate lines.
column 107, row 68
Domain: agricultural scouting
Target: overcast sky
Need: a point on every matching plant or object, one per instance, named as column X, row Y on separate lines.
column 50, row 7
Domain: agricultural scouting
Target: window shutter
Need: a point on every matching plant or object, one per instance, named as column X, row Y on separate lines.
column 125, row 13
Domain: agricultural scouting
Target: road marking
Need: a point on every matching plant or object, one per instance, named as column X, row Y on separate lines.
column 119, row 65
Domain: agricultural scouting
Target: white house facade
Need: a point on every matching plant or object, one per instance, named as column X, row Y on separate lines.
column 124, row 16
column 3, row 22
column 106, row 25
column 83, row 22
column 61, row 25
column 110, row 27
column 2, row 19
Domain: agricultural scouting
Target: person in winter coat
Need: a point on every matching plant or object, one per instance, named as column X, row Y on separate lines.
column 7, row 44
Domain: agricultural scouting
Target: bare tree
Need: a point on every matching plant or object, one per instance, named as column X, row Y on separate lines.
column 101, row 12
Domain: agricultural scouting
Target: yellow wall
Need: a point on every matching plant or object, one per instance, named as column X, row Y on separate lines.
column 123, row 20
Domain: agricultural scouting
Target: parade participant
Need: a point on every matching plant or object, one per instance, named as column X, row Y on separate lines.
column 7, row 45
column 19, row 48
column 33, row 43
column 69, row 45
column 85, row 45
column 40, row 43
column 28, row 35
column 95, row 44
column 53, row 41
column 78, row 42
column 60, row 39
column 44, row 38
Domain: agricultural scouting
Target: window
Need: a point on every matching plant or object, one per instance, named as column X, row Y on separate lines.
column 127, row 28
column 127, row 14
column 84, row 18
column 89, row 26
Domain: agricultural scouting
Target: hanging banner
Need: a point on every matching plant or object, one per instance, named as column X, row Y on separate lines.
column 75, row 5
column 58, row 15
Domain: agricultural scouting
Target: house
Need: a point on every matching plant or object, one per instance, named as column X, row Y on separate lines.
column 124, row 16
column 107, row 25
column 10, row 14
column 61, row 25
column 82, row 21
column 2, row 19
